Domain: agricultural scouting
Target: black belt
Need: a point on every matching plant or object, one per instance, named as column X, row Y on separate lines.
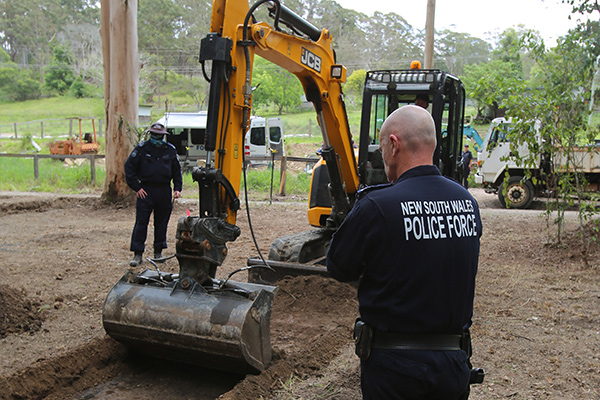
column 403, row 341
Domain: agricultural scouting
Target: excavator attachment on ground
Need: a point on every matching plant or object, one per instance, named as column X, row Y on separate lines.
column 224, row 329
column 191, row 316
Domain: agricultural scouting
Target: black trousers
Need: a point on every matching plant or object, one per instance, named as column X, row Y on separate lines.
column 415, row 375
column 465, row 177
column 158, row 201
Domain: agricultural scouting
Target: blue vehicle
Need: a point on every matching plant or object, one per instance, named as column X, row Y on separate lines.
column 471, row 133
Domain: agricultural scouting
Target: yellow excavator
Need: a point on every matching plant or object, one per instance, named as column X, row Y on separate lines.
column 194, row 317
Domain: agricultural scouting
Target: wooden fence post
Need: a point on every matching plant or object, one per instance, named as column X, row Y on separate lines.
column 93, row 168
column 42, row 128
column 16, row 134
column 283, row 175
column 36, row 167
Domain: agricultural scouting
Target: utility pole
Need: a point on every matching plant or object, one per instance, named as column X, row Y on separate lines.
column 429, row 32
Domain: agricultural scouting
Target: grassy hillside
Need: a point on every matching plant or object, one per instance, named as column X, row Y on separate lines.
column 51, row 108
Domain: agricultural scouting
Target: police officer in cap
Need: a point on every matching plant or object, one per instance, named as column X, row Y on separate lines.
column 413, row 245
column 467, row 162
column 149, row 170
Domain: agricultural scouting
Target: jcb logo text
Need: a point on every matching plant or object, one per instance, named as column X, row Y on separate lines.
column 311, row 60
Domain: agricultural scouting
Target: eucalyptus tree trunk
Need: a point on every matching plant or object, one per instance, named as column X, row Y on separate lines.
column 121, row 72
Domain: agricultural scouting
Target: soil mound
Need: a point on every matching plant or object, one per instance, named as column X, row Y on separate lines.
column 311, row 321
column 16, row 205
column 18, row 314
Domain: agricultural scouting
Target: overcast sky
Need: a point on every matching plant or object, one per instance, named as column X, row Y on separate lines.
column 479, row 18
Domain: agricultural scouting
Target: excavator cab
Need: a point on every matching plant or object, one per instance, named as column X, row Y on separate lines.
column 384, row 91
column 442, row 94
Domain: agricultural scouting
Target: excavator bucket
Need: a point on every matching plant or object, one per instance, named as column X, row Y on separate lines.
column 191, row 316
column 227, row 329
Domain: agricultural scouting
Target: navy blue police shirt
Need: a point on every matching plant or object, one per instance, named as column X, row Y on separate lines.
column 148, row 165
column 414, row 245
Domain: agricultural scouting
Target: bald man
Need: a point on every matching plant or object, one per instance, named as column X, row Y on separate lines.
column 413, row 245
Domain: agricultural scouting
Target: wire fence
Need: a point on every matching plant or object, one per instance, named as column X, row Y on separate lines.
column 36, row 164
column 284, row 161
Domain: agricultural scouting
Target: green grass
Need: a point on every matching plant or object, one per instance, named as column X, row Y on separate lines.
column 54, row 107
column 54, row 176
column 18, row 175
column 259, row 180
column 50, row 117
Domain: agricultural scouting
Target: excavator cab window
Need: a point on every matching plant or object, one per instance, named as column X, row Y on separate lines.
column 450, row 113
column 445, row 145
column 385, row 91
column 383, row 105
column 378, row 115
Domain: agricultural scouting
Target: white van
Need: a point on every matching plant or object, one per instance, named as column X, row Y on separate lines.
column 264, row 131
column 188, row 129
column 187, row 133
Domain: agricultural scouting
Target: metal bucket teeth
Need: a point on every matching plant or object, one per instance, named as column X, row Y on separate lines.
column 222, row 330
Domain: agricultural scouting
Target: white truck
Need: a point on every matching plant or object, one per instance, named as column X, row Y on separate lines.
column 188, row 131
column 494, row 162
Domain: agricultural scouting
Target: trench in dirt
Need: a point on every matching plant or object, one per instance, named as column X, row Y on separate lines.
column 310, row 321
column 103, row 369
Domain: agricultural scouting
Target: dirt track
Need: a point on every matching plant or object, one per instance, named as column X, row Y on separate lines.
column 535, row 327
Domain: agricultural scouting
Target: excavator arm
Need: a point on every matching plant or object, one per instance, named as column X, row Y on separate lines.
column 308, row 54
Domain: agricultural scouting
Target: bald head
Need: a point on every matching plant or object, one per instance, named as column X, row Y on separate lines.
column 414, row 125
column 407, row 139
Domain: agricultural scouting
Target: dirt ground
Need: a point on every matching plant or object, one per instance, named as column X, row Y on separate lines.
column 535, row 329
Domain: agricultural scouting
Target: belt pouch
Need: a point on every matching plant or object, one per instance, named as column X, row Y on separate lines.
column 363, row 336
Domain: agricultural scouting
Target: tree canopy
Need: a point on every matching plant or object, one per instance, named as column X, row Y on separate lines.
column 32, row 34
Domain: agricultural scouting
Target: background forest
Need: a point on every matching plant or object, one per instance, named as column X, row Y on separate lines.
column 53, row 48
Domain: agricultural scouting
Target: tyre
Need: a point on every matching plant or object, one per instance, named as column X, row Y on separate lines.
column 518, row 193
